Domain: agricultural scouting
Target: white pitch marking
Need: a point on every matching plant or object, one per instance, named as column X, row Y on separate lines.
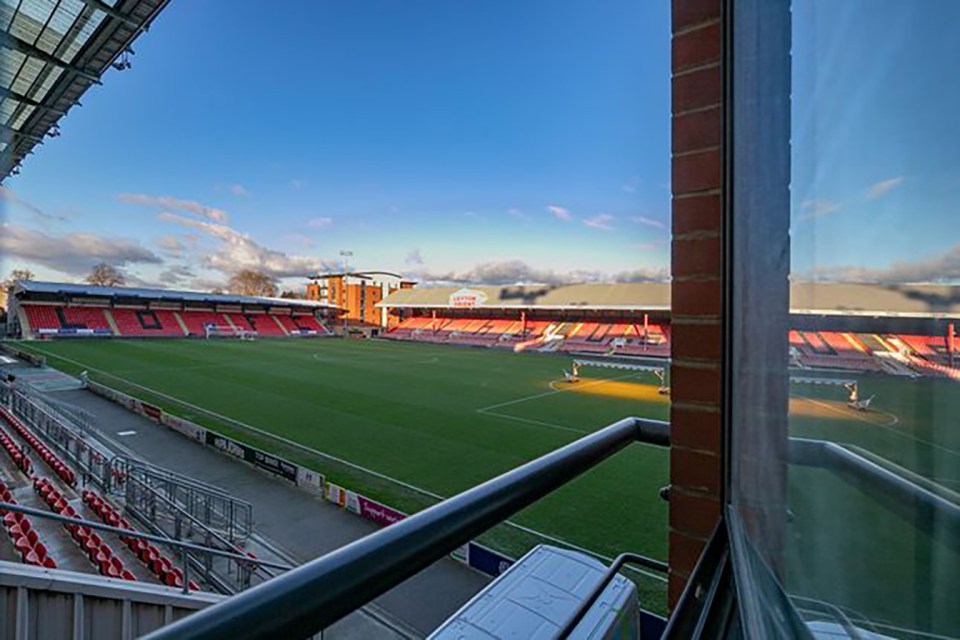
column 554, row 391
column 484, row 412
column 297, row 445
column 126, row 433
column 888, row 427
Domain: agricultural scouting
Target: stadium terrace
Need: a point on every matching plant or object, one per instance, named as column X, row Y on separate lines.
column 50, row 309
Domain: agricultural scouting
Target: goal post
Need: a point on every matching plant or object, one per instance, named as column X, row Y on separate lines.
column 661, row 371
column 222, row 331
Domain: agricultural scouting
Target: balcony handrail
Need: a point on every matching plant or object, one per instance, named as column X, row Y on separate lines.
column 131, row 533
column 898, row 493
column 312, row 597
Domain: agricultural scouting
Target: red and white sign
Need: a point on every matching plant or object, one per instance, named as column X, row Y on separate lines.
column 466, row 298
column 379, row 513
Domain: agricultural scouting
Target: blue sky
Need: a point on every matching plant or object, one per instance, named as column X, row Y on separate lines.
column 876, row 159
column 478, row 140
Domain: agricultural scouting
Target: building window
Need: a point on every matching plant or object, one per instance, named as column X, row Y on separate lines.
column 844, row 193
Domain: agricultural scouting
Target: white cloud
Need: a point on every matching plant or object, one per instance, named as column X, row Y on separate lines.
column 600, row 221
column 631, row 184
column 942, row 268
column 560, row 212
column 175, row 275
column 516, row 213
column 170, row 243
column 810, row 209
column 650, row 222
column 239, row 251
column 414, row 257
column 882, row 188
column 169, row 204
column 238, row 190
column 72, row 253
column 320, row 223
column 512, row 272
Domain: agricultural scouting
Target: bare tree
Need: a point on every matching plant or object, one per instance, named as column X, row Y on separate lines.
column 249, row 282
column 290, row 294
column 15, row 275
column 106, row 275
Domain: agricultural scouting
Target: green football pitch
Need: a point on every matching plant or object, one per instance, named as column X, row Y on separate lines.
column 442, row 419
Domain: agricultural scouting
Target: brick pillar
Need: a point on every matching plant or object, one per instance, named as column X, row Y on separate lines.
column 696, row 468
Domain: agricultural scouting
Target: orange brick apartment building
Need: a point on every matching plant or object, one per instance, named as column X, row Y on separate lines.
column 358, row 293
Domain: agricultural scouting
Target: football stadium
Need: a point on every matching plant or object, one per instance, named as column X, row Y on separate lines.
column 746, row 443
column 467, row 383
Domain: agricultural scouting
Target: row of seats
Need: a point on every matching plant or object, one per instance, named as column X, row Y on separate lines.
column 42, row 316
column 48, row 456
column 133, row 322
column 86, row 317
column 24, row 537
column 146, row 552
column 587, row 337
column 927, row 355
column 164, row 322
column 97, row 551
column 19, row 459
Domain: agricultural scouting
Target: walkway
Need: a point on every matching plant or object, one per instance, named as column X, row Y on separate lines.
column 301, row 526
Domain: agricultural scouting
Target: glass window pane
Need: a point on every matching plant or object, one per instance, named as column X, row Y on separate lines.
column 854, row 432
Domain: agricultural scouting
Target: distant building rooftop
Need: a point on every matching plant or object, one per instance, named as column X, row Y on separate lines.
column 369, row 275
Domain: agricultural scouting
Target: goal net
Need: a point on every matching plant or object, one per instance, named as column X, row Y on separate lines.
column 221, row 331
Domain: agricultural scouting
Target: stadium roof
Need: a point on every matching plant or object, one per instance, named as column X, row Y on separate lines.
column 360, row 274
column 66, row 289
column 52, row 52
column 814, row 298
column 651, row 296
column 897, row 300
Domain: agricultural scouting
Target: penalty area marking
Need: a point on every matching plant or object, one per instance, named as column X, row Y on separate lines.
column 554, row 391
column 539, row 423
column 889, row 426
column 489, row 411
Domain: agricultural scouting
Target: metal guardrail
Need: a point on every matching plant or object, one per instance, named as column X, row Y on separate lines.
column 179, row 544
column 312, row 597
column 924, row 508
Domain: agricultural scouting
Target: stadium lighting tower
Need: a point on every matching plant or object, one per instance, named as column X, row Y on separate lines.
column 346, row 255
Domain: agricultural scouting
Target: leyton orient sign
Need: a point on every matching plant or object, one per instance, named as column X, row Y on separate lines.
column 467, row 298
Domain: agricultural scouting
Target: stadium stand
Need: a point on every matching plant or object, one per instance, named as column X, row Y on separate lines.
column 46, row 454
column 146, row 552
column 48, row 309
column 142, row 322
column 84, row 318
column 23, row 535
column 264, row 324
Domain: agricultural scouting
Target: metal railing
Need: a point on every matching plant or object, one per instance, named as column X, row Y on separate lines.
column 921, row 506
column 181, row 545
column 597, row 589
column 312, row 597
